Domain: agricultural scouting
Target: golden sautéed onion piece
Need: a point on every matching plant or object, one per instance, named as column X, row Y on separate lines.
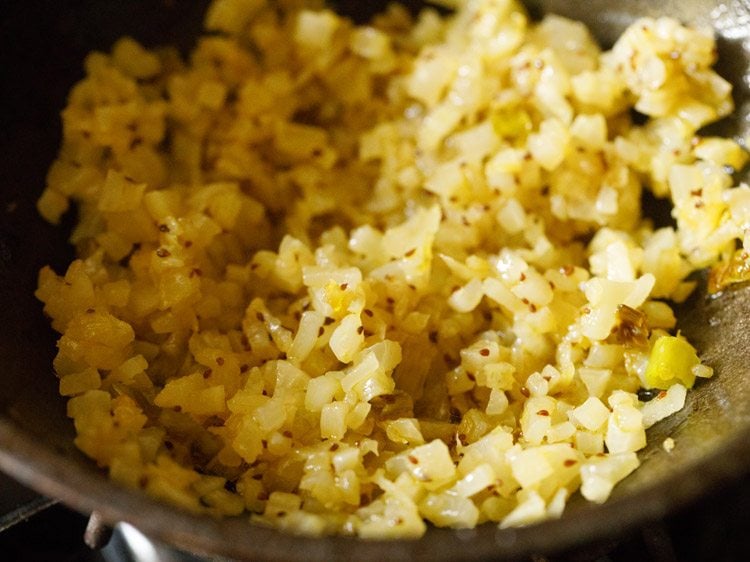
column 353, row 279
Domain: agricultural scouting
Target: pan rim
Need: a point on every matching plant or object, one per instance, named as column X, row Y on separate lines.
column 56, row 475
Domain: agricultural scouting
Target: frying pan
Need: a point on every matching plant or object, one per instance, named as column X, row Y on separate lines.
column 43, row 44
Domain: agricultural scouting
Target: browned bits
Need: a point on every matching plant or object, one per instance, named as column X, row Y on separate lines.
column 525, row 391
column 471, row 377
column 244, row 368
column 163, row 228
column 163, row 253
column 368, row 312
column 343, row 286
column 661, row 395
column 287, row 434
column 410, row 253
column 262, row 496
column 433, row 336
column 542, row 413
column 567, row 270
column 321, row 331
column 523, row 277
column 334, row 447
column 570, row 462
column 455, row 415
column 219, row 361
column 631, row 327
column 360, row 329
column 207, row 373
column 260, row 317
column 412, row 459
column 328, row 321
column 143, row 482
column 484, row 352
column 729, row 271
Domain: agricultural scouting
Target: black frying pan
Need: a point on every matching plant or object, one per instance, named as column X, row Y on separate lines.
column 42, row 44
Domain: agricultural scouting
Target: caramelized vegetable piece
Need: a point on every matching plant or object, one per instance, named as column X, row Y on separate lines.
column 734, row 270
column 631, row 329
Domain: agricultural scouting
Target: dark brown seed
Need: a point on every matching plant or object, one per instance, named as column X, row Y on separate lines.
column 455, row 416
